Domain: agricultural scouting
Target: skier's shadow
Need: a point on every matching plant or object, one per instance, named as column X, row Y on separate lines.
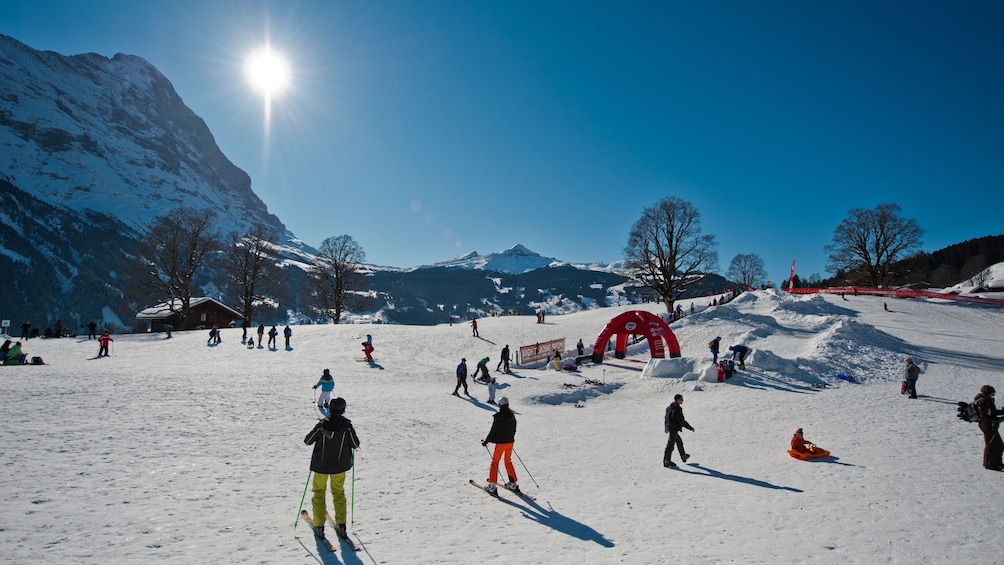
column 319, row 552
column 559, row 522
column 481, row 405
column 719, row 475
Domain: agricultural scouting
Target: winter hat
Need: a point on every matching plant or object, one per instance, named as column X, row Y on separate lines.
column 987, row 390
column 504, row 401
column 337, row 406
column 798, row 432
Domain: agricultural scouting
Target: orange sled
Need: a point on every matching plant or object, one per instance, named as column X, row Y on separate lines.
column 819, row 453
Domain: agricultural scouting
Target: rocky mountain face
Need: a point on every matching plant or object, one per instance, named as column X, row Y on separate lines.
column 93, row 149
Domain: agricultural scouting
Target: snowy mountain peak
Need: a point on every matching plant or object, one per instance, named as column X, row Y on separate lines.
column 515, row 260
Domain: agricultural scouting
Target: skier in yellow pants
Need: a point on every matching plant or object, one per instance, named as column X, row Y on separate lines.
column 334, row 440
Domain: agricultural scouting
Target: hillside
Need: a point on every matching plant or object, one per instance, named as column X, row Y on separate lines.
column 203, row 460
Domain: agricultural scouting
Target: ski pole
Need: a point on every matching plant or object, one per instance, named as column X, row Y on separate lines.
column 352, row 516
column 524, row 466
column 302, row 498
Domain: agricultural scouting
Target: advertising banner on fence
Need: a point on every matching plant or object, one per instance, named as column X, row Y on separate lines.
column 538, row 351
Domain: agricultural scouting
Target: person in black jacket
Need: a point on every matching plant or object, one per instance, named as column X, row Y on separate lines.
column 503, row 435
column 675, row 422
column 990, row 419
column 334, row 440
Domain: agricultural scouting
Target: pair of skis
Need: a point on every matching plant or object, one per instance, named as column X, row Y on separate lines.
column 520, row 494
column 327, row 543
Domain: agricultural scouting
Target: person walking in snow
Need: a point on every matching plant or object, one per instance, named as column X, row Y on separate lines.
column 504, row 361
column 25, row 330
column 741, row 351
column 990, row 419
column 461, row 377
column 272, row 333
column 503, row 435
column 245, row 325
column 910, row 374
column 474, row 327
column 713, row 345
column 92, row 330
column 212, row 335
column 103, row 342
column 334, row 440
column 261, row 335
column 580, row 347
column 674, row 424
column 287, row 333
column 327, row 384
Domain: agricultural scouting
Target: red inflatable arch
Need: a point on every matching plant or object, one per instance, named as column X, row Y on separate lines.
column 637, row 322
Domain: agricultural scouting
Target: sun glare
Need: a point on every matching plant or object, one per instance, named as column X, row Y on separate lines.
column 267, row 72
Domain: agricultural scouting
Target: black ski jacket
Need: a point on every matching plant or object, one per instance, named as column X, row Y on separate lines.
column 503, row 427
column 675, row 421
column 333, row 439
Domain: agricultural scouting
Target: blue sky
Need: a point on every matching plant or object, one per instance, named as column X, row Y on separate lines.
column 428, row 129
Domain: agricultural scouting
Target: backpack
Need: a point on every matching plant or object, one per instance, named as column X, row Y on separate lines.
column 969, row 412
column 37, row 361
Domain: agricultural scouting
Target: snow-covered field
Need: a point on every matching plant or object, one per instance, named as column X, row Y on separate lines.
column 174, row 452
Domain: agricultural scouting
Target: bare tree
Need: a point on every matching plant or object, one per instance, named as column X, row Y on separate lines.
column 667, row 251
column 336, row 273
column 250, row 259
column 868, row 242
column 747, row 269
column 173, row 252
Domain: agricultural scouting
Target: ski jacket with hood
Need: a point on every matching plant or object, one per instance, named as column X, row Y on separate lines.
column 333, row 439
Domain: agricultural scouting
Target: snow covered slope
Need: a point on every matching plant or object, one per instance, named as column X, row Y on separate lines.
column 174, row 452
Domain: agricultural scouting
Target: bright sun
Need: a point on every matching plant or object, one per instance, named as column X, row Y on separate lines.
column 267, row 71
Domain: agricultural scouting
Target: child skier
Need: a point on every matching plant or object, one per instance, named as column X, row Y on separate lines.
column 492, row 387
column 103, row 342
column 327, row 384
column 368, row 350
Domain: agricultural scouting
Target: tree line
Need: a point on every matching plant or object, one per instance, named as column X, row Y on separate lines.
column 181, row 245
column 668, row 252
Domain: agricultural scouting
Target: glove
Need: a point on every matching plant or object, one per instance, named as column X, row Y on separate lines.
column 484, row 443
column 314, row 387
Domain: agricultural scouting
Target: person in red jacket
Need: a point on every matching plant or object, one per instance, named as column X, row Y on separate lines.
column 368, row 350
column 103, row 342
column 802, row 445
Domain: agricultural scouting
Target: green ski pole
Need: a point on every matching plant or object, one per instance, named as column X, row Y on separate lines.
column 302, row 498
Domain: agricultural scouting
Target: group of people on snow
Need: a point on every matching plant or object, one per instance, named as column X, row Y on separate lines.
column 11, row 354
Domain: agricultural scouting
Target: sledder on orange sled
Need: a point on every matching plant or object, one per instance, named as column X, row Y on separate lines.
column 804, row 449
